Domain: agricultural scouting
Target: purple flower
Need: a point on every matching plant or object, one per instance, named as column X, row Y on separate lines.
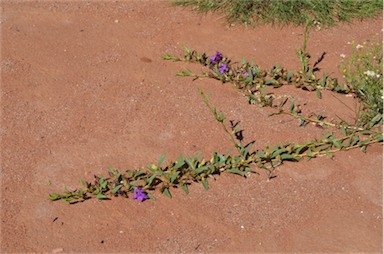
column 223, row 68
column 246, row 74
column 139, row 195
column 216, row 58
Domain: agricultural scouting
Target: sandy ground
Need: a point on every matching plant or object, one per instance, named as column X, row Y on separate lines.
column 83, row 87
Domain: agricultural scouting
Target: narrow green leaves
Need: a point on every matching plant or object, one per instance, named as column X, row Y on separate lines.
column 161, row 160
column 185, row 188
column 167, row 193
column 170, row 57
column 205, row 183
column 150, row 179
column 180, row 162
column 117, row 188
column 235, row 171
column 174, row 176
column 101, row 196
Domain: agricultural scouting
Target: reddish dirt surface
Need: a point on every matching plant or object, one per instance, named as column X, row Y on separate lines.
column 84, row 87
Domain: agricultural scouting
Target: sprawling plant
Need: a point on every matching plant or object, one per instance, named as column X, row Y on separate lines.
column 252, row 81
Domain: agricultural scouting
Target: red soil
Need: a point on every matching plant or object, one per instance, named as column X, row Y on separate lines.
column 83, row 87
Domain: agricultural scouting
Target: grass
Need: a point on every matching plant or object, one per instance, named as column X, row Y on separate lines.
column 282, row 12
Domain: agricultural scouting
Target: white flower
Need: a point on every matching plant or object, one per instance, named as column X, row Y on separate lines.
column 370, row 73
column 342, row 55
column 359, row 46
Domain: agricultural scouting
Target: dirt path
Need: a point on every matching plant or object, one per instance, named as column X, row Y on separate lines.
column 83, row 87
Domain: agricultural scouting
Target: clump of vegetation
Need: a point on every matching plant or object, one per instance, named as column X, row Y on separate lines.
column 319, row 12
column 362, row 77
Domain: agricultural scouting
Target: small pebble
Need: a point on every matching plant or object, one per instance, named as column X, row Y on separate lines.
column 57, row 250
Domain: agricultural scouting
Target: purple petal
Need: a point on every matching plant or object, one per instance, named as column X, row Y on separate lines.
column 139, row 195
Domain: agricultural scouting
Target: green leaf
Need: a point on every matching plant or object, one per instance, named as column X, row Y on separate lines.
column 310, row 154
column 161, row 160
column 212, row 169
column 69, row 199
column 269, row 81
column 84, row 183
column 245, row 151
column 324, row 147
column 344, row 131
column 201, row 169
column 205, row 183
column 190, row 163
column 101, row 196
column 187, row 50
column 248, row 169
column 261, row 155
column 355, row 140
column 103, row 183
column 235, row 171
column 129, row 172
column 363, row 142
column 323, row 80
column 186, row 73
column 54, row 196
column 289, row 75
column 366, row 132
column 301, row 149
column 375, row 120
column 292, row 107
column 150, row 180
column 250, row 74
column 349, row 141
column 167, row 193
column 132, row 185
column 288, row 157
column 277, row 85
column 112, row 170
column 180, row 162
column 252, row 97
column 278, row 152
column 318, row 93
column 222, row 158
column 170, row 57
column 174, row 176
column 152, row 168
column 185, row 188
column 151, row 196
column 140, row 172
column 221, row 117
column 117, row 188
column 337, row 144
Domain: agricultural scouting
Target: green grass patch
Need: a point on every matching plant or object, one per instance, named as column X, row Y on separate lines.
column 282, row 12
